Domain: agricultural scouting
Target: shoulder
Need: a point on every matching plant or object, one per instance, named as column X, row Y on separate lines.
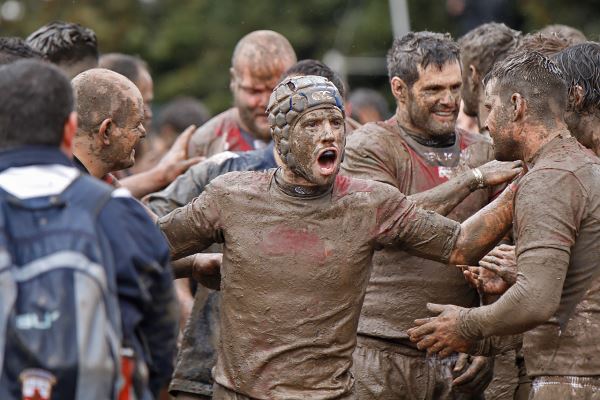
column 214, row 128
column 238, row 181
column 377, row 139
column 567, row 155
column 349, row 186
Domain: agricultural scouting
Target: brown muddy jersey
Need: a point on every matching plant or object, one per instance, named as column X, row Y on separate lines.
column 402, row 284
column 294, row 274
column 557, row 207
column 222, row 133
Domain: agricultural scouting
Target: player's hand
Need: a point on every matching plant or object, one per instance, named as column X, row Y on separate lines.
column 497, row 172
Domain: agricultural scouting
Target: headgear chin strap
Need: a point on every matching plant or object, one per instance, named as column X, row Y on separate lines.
column 291, row 99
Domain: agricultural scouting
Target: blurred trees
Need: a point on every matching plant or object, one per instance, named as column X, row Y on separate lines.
column 188, row 43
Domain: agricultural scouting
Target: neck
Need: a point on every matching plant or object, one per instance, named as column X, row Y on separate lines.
column 297, row 186
column 537, row 136
column 84, row 152
column 419, row 134
column 586, row 128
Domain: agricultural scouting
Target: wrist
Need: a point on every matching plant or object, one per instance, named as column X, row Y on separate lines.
column 476, row 181
column 466, row 328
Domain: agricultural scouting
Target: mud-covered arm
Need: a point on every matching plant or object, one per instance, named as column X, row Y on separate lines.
column 495, row 345
column 482, row 231
column 203, row 267
column 445, row 197
column 547, row 222
column 187, row 186
column 194, row 227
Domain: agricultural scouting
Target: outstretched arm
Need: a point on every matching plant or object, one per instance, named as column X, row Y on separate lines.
column 443, row 198
column 173, row 164
column 203, row 267
column 480, row 233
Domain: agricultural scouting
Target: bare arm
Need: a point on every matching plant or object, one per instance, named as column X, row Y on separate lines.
column 480, row 233
column 443, row 198
column 173, row 164
column 203, row 267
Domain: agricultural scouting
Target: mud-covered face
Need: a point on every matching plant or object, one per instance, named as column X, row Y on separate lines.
column 317, row 144
column 500, row 125
column 126, row 137
column 251, row 97
column 434, row 99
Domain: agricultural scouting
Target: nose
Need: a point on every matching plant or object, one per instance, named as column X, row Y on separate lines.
column 328, row 135
column 449, row 98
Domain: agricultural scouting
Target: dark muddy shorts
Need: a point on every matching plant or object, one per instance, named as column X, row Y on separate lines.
column 382, row 370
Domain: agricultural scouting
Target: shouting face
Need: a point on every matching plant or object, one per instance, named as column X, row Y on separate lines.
column 434, row 100
column 500, row 125
column 317, row 143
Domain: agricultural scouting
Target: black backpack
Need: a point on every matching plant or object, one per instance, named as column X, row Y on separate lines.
column 59, row 317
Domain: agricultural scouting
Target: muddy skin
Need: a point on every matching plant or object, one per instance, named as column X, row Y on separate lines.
column 102, row 94
column 553, row 256
column 384, row 152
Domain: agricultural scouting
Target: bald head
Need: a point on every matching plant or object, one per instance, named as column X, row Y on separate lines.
column 103, row 94
column 263, row 51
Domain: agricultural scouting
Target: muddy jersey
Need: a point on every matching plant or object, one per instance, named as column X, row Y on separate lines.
column 557, row 207
column 222, row 133
column 401, row 284
column 294, row 274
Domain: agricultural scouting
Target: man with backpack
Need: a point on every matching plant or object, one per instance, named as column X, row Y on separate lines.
column 78, row 260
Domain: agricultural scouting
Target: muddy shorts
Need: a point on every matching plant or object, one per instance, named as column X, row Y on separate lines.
column 223, row 393
column 506, row 378
column 383, row 370
column 565, row 387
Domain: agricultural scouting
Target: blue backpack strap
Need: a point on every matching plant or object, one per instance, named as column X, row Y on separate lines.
column 88, row 192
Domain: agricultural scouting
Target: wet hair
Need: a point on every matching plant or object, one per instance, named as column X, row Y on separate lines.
column 535, row 77
column 64, row 42
column 420, row 48
column 572, row 35
column 183, row 112
column 102, row 94
column 547, row 44
column 124, row 64
column 364, row 97
column 260, row 49
column 580, row 65
column 35, row 104
column 487, row 44
column 315, row 67
column 14, row 48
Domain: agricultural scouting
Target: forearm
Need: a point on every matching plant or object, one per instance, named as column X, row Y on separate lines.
column 480, row 233
column 445, row 197
column 145, row 182
column 184, row 267
column 495, row 345
column 531, row 301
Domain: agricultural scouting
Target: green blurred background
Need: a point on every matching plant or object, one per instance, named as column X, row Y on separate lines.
column 188, row 43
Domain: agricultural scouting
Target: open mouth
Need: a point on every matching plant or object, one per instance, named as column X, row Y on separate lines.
column 326, row 161
column 445, row 114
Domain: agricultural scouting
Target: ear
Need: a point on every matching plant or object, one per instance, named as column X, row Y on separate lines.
column 576, row 97
column 474, row 77
column 69, row 132
column 399, row 89
column 105, row 131
column 519, row 106
column 232, row 79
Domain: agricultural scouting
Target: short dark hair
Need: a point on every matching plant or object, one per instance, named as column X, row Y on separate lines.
column 420, row 48
column 64, row 42
column 14, row 48
column 316, row 67
column 124, row 64
column 183, row 112
column 35, row 104
column 547, row 44
column 487, row 44
column 535, row 76
column 580, row 65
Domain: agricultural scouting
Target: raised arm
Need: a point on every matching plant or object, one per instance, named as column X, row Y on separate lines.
column 194, row 227
column 443, row 198
column 482, row 231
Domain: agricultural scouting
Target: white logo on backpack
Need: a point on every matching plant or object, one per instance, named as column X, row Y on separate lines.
column 32, row 321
